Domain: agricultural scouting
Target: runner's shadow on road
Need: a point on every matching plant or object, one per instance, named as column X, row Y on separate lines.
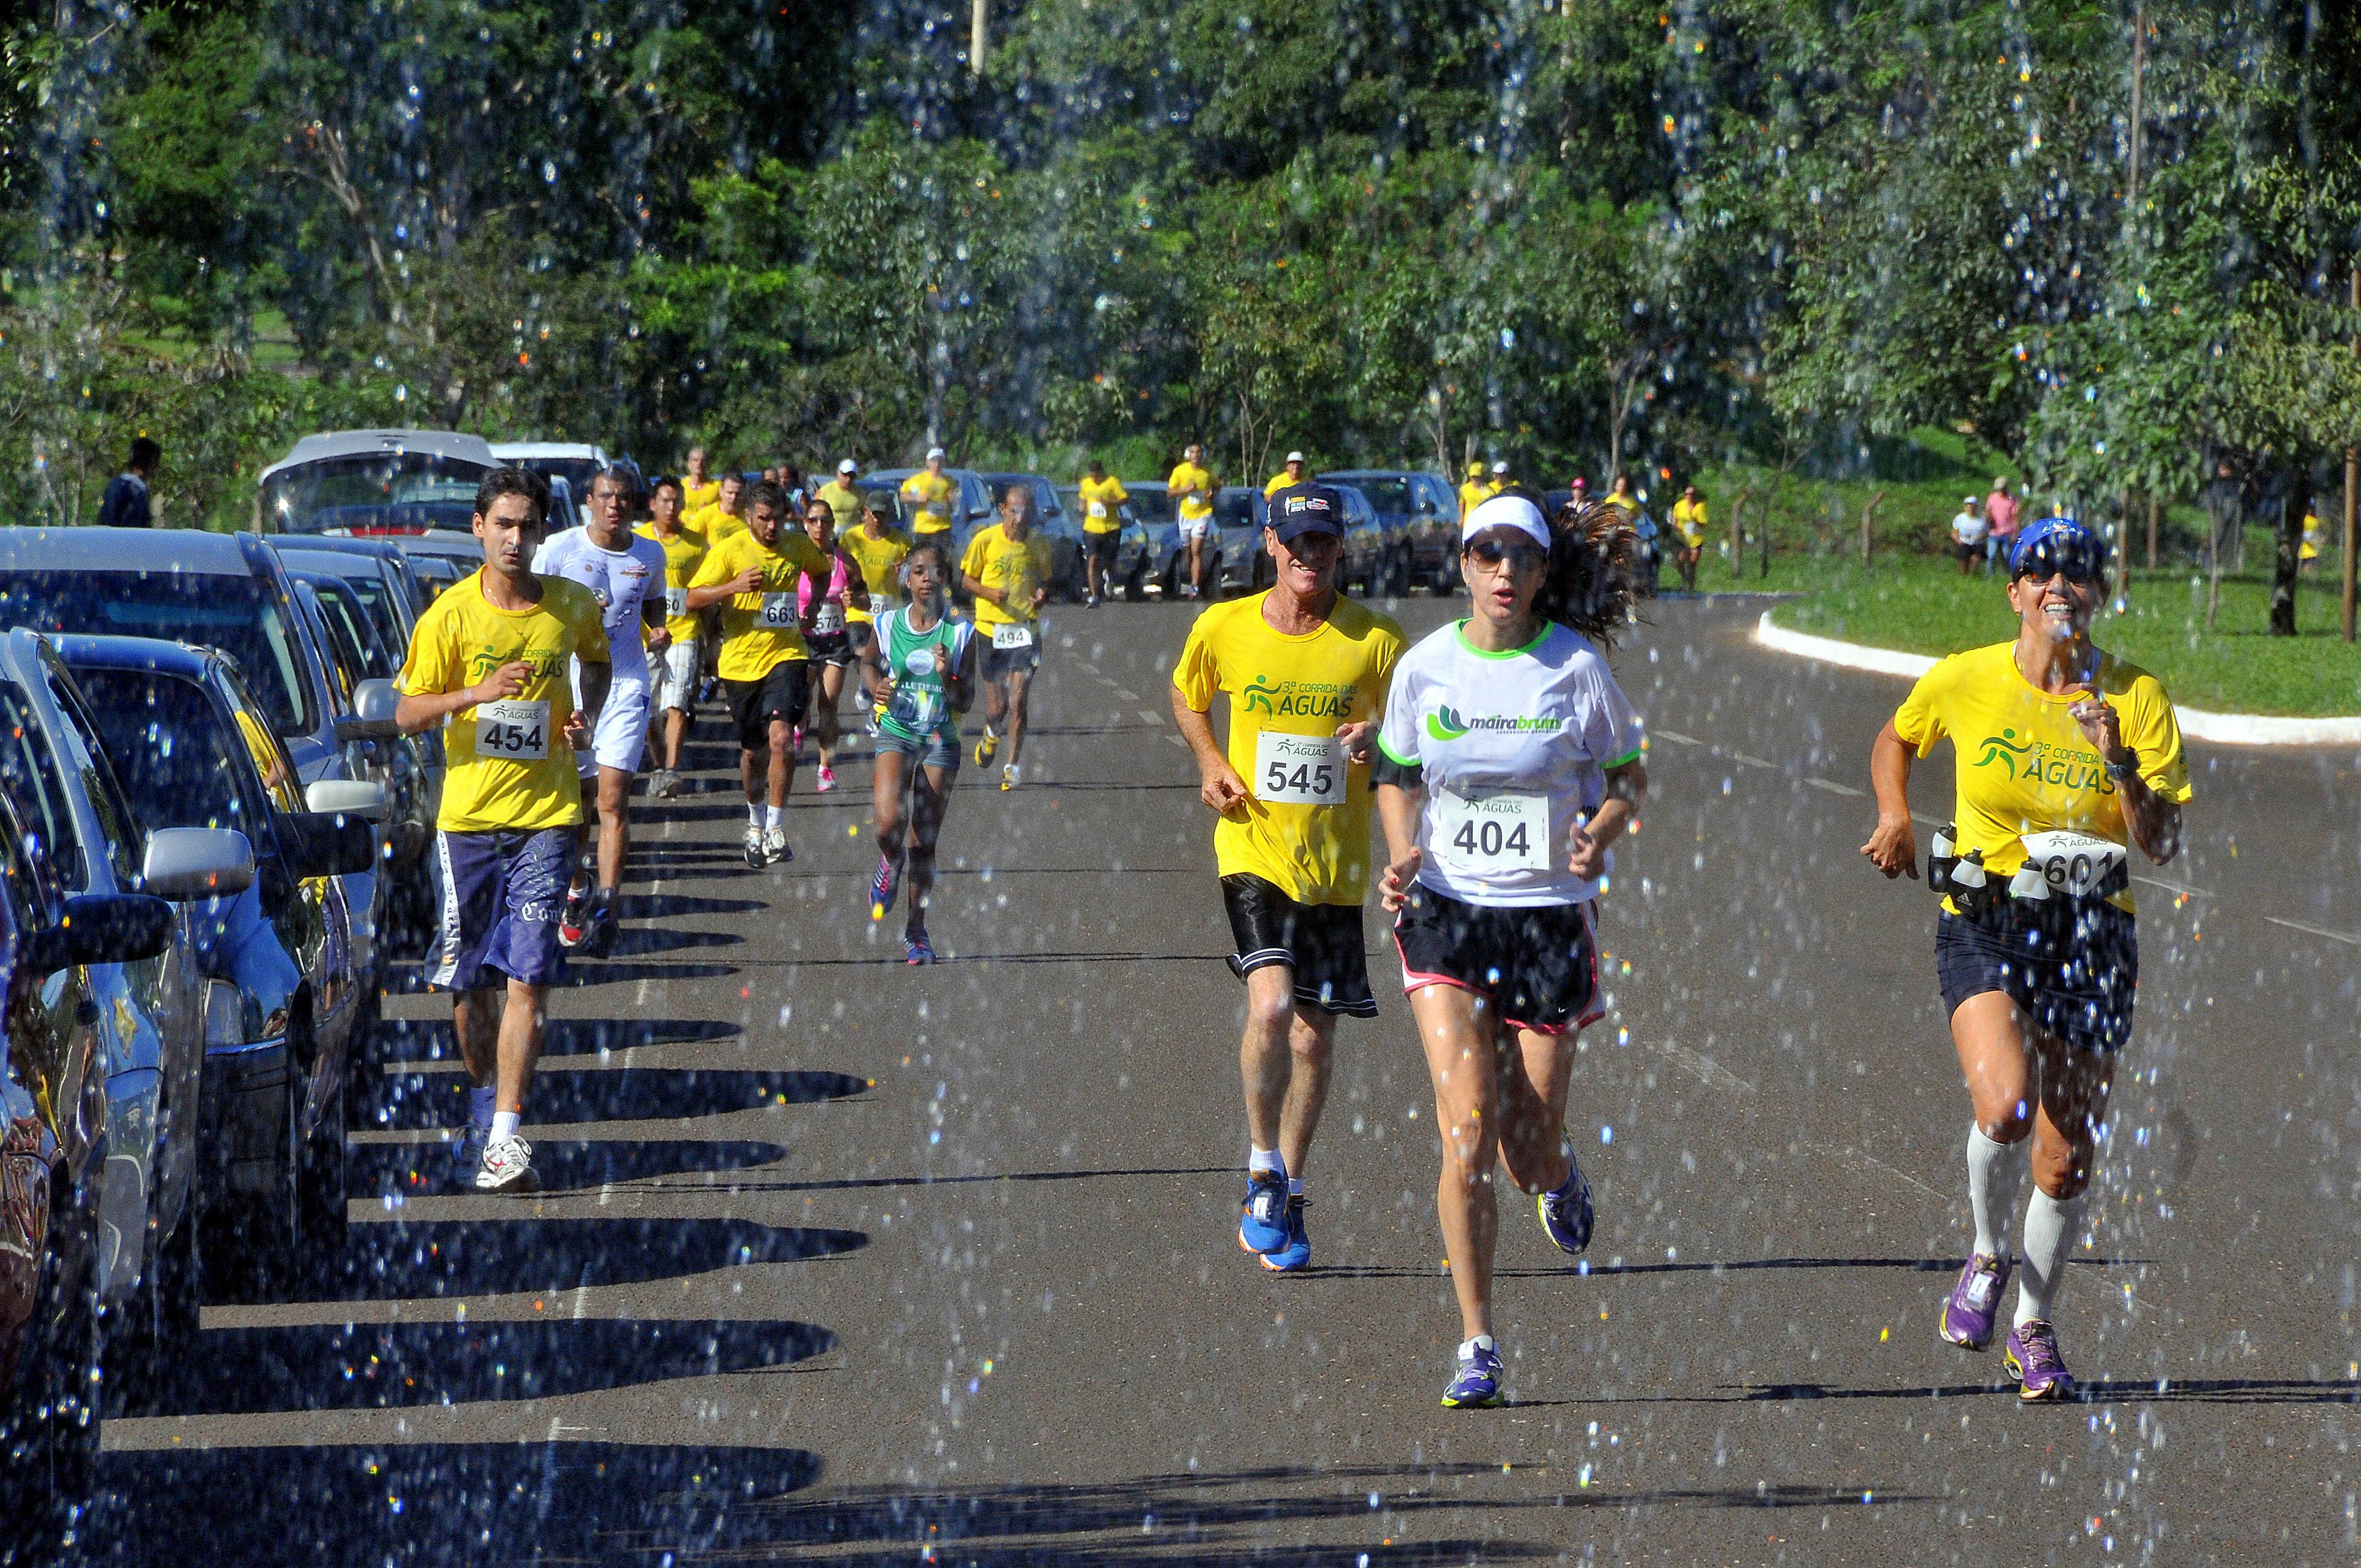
column 672, row 906
column 564, row 1165
column 435, row 1504
column 392, row 1365
column 423, row 1039
column 488, row 1255
column 419, row 1101
column 639, row 941
column 583, row 972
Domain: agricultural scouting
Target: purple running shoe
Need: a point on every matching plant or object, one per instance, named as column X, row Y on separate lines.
column 1974, row 1302
column 2033, row 1360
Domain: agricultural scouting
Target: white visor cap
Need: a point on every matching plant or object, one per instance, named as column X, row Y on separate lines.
column 1507, row 511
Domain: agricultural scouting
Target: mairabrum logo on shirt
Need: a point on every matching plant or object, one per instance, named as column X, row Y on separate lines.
column 1297, row 699
column 1445, row 723
column 2038, row 762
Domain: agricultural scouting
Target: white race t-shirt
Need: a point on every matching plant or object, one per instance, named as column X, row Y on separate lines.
column 1513, row 749
column 622, row 581
column 1968, row 528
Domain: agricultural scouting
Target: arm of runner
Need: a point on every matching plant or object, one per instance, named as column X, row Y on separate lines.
column 2152, row 819
column 1355, row 740
column 959, row 682
column 421, row 711
column 1398, row 814
column 749, row 581
column 1625, row 785
column 1893, row 846
column 653, row 631
column 596, row 677
column 1218, row 784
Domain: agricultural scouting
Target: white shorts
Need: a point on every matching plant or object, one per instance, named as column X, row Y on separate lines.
column 621, row 738
column 676, row 676
column 1195, row 527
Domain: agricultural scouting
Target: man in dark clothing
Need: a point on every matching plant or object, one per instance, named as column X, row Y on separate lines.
column 126, row 504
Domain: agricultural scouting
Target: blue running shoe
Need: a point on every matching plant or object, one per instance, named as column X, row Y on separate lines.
column 883, row 888
column 1298, row 1250
column 1262, row 1220
column 1478, row 1385
column 1566, row 1213
column 468, row 1154
column 916, row 948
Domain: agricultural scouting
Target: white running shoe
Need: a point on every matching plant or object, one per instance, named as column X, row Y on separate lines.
column 774, row 847
column 507, row 1166
column 1009, row 776
column 754, row 846
column 826, row 780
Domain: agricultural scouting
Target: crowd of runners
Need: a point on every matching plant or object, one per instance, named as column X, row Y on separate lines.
column 1503, row 761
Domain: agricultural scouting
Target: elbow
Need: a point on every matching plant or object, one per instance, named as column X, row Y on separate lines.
column 411, row 717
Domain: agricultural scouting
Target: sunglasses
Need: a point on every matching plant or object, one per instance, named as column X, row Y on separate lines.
column 1491, row 552
column 2078, row 561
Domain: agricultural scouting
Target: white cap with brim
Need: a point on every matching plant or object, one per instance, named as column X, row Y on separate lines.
column 1295, row 457
column 1499, row 467
column 847, row 466
column 935, row 452
column 1507, row 511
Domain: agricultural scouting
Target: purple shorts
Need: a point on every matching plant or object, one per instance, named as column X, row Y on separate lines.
column 501, row 896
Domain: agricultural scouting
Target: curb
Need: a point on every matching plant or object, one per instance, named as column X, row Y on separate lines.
column 2222, row 729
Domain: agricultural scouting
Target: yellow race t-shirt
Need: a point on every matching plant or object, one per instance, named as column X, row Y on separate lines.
column 764, row 628
column 1287, row 696
column 879, row 560
column 714, row 524
column 845, row 501
column 1100, row 498
column 510, row 767
column 1280, row 481
column 696, row 497
column 1196, row 476
column 1690, row 520
column 683, row 552
column 2022, row 763
column 930, row 497
column 999, row 562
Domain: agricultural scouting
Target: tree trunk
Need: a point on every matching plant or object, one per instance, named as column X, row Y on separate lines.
column 1737, row 531
column 2284, row 569
column 1868, row 516
column 2153, row 508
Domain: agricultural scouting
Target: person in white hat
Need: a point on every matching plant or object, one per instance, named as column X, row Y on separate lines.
column 930, row 493
column 1293, row 474
column 842, row 498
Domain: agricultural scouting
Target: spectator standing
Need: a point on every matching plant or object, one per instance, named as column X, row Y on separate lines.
column 126, row 503
column 1999, row 523
column 1967, row 530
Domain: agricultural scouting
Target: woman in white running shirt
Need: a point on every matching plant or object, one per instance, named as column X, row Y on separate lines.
column 1510, row 760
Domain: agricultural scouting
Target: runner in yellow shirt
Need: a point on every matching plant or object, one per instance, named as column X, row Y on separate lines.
column 727, row 515
column 1689, row 524
column 1101, row 498
column 1290, row 475
column 699, row 487
column 1191, row 486
column 2065, row 759
column 1473, row 492
column 877, row 547
column 1306, row 671
column 933, row 496
column 679, row 664
column 766, row 665
column 1006, row 569
column 843, row 496
column 489, row 663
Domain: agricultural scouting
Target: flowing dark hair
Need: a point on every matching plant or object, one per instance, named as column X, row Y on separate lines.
column 1594, row 566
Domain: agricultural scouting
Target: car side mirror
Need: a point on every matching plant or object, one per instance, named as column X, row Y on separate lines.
column 323, row 843
column 102, row 928
column 184, row 864
column 375, row 703
column 350, row 797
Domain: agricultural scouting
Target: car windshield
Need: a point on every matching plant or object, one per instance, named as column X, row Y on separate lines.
column 31, row 773
column 348, row 624
column 1151, row 506
column 171, row 750
column 241, row 616
column 577, row 472
column 1234, row 507
column 374, row 491
column 1387, row 493
column 377, row 596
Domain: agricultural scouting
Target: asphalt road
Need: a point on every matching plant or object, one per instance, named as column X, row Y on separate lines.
column 847, row 1262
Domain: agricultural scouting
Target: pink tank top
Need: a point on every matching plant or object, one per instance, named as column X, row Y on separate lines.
column 836, row 583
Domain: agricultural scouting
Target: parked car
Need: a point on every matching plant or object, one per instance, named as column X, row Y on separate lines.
column 284, row 998
column 229, row 591
column 53, row 1148
column 434, row 574
column 373, row 482
column 1420, row 513
column 1239, row 559
column 390, row 588
column 1067, row 574
column 396, row 759
column 458, row 548
column 1149, row 543
column 55, row 764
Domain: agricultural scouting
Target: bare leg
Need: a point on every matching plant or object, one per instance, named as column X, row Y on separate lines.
column 886, row 786
column 930, row 798
column 1990, row 1032
column 520, row 1047
column 1461, row 1036
column 1020, row 693
column 676, row 732
column 827, row 685
column 1264, row 1062
column 783, row 765
column 1535, row 1080
column 614, row 826
column 1309, row 1038
column 475, row 1020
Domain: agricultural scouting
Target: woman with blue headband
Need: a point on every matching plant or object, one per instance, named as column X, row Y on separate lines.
column 2066, row 758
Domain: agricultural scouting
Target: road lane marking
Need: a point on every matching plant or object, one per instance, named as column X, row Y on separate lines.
column 1178, row 741
column 1675, row 735
column 1754, row 761
column 1153, row 718
column 2346, row 937
column 1833, row 787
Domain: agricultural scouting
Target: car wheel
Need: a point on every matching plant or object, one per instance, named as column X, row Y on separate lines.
column 1135, row 587
column 1397, row 580
column 255, row 1241
column 48, row 1439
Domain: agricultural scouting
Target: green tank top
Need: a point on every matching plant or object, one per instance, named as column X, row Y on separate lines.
column 918, row 662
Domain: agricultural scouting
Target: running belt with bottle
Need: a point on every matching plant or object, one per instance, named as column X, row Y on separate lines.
column 917, row 660
column 1513, row 751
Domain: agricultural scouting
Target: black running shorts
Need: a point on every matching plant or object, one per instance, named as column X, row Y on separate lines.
column 785, row 694
column 1321, row 942
column 1537, row 964
column 2070, row 963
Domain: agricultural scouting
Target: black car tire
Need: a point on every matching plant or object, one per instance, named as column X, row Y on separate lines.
column 1135, row 587
column 49, row 1425
column 1399, row 579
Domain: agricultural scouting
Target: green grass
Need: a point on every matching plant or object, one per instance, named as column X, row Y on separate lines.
column 1921, row 605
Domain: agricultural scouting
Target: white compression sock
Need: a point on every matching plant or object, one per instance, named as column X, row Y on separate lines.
column 1992, row 1169
column 1468, row 1348
column 2049, row 1227
column 1266, row 1159
column 481, row 1102
column 775, row 816
column 505, row 1125
column 754, row 815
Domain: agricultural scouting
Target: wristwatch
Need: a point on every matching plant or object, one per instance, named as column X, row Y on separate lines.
column 2119, row 771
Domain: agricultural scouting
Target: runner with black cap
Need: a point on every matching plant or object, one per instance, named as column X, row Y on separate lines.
column 1511, row 760
column 2065, row 758
column 1306, row 671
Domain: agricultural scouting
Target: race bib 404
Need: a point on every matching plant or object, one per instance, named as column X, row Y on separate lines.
column 1507, row 832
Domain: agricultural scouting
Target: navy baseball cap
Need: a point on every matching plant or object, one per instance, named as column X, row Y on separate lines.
column 1307, row 509
column 2053, row 540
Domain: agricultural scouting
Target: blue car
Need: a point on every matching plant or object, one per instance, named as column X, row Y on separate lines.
column 284, row 997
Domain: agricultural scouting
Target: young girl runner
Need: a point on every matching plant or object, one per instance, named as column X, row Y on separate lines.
column 921, row 673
